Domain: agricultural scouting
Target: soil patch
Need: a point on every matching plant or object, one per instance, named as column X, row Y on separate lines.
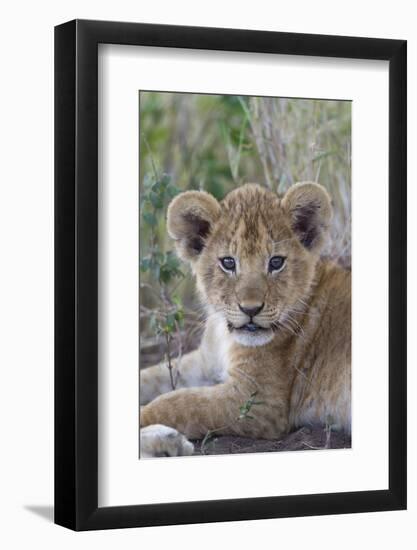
column 306, row 438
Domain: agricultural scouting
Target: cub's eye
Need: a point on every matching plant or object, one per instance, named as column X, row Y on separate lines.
column 228, row 263
column 276, row 263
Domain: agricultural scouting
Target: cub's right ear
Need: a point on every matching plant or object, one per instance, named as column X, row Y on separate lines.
column 190, row 219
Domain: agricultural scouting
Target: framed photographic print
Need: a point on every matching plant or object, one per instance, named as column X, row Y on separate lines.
column 230, row 275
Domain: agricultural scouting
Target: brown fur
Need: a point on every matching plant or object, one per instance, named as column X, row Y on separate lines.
column 299, row 364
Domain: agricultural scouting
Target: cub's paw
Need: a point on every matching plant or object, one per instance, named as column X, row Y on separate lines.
column 158, row 440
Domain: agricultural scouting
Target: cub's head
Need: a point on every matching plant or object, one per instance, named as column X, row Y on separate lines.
column 254, row 254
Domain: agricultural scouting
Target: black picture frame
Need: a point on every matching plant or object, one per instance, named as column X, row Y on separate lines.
column 76, row 272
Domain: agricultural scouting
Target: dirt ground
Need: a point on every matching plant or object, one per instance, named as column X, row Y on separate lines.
column 306, row 438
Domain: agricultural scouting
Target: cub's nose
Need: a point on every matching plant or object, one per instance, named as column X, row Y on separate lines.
column 251, row 310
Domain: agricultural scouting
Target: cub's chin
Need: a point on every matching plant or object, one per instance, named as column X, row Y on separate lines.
column 252, row 338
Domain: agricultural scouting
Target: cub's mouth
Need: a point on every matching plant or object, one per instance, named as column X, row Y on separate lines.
column 250, row 327
column 251, row 334
column 247, row 327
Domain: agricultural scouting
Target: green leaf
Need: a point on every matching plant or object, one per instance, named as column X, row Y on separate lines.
column 161, row 184
column 244, row 105
column 179, row 314
column 150, row 218
column 147, row 181
column 215, row 188
column 156, row 200
column 164, row 275
column 169, row 267
column 172, row 260
column 145, row 264
column 323, row 155
column 164, row 181
column 172, row 191
column 158, row 257
column 169, row 323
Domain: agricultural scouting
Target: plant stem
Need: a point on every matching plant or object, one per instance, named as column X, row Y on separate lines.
column 170, row 366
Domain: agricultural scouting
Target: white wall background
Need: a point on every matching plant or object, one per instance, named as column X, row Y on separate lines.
column 26, row 275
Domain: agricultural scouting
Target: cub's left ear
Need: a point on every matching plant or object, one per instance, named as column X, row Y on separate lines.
column 309, row 208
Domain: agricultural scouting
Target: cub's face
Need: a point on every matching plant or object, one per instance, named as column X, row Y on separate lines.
column 254, row 254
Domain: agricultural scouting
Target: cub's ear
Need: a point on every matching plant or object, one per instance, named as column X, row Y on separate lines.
column 309, row 208
column 190, row 219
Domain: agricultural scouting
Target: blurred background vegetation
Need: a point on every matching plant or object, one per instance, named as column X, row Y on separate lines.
column 216, row 143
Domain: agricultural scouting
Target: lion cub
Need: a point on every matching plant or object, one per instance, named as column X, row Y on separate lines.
column 278, row 320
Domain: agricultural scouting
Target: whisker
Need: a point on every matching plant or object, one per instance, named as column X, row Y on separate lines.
column 278, row 324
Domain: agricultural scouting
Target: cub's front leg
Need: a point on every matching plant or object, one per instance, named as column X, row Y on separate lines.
column 191, row 371
column 195, row 411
